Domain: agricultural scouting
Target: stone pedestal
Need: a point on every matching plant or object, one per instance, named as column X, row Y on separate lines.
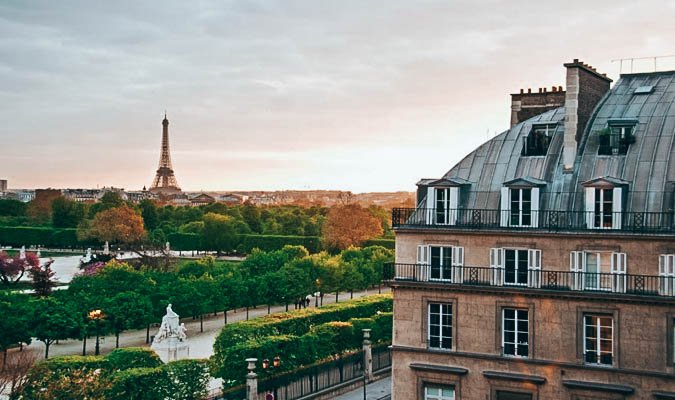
column 171, row 349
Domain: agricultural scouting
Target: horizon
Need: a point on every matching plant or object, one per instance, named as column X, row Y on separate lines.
column 287, row 95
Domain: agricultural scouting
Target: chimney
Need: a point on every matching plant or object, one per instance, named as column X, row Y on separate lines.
column 585, row 88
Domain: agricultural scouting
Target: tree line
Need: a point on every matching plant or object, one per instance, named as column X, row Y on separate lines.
column 135, row 298
column 216, row 226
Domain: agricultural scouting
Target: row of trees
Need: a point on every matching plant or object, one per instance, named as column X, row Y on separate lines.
column 60, row 212
column 131, row 299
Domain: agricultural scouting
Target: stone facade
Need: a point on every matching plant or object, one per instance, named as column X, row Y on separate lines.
column 525, row 105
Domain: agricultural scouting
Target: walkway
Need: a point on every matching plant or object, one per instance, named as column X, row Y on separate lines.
column 374, row 391
column 201, row 343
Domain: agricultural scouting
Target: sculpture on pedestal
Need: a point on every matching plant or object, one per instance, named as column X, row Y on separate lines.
column 170, row 342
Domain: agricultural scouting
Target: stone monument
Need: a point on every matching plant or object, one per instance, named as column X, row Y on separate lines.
column 22, row 252
column 170, row 342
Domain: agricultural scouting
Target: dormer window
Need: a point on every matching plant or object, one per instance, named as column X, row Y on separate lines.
column 442, row 205
column 616, row 138
column 520, row 202
column 537, row 142
column 604, row 198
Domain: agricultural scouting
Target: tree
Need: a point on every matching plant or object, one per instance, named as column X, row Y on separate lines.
column 126, row 310
column 12, row 208
column 120, row 225
column 108, row 200
column 42, row 278
column 13, row 323
column 14, row 373
column 12, row 269
column 53, row 320
column 251, row 215
column 349, row 225
column 67, row 213
column 149, row 213
column 219, row 232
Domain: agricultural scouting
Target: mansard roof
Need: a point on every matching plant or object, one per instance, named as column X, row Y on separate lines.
column 648, row 168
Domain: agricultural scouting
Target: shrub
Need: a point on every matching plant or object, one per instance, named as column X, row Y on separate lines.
column 386, row 243
column 333, row 338
column 139, row 384
column 133, row 357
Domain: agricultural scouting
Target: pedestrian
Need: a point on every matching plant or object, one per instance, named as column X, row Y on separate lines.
column 269, row 396
column 307, row 302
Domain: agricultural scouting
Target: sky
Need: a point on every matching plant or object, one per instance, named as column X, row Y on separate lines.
column 357, row 95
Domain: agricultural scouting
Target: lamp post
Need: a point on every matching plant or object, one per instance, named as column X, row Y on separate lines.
column 252, row 377
column 96, row 316
column 317, row 293
column 367, row 360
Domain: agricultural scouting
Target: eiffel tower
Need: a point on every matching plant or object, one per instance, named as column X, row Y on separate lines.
column 165, row 181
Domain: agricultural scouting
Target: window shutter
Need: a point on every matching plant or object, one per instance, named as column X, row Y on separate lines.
column 429, row 212
column 497, row 265
column 618, row 269
column 534, row 268
column 505, row 206
column 453, row 204
column 458, row 264
column 590, row 207
column 667, row 274
column 422, row 266
column 577, row 267
column 535, row 207
column 616, row 208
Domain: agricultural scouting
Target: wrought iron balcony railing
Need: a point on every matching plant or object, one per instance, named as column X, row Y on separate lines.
column 535, row 279
column 473, row 218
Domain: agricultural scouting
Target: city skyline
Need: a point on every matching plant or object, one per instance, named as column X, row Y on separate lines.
column 286, row 95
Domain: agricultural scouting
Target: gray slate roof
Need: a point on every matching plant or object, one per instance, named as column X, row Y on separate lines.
column 648, row 167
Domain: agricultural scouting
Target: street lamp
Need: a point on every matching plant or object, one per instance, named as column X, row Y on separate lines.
column 367, row 360
column 252, row 377
column 97, row 316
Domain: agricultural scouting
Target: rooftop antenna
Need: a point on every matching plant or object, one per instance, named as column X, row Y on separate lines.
column 632, row 59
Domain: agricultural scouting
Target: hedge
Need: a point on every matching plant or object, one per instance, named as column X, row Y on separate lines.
column 386, row 243
column 321, row 342
column 127, row 373
column 299, row 322
column 277, row 242
column 27, row 236
column 302, row 336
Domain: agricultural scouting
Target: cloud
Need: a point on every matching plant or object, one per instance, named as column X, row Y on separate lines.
column 293, row 86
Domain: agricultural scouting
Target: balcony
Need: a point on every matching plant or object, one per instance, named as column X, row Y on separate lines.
column 542, row 220
column 537, row 280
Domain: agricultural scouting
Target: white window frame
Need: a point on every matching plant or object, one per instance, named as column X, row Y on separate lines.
column 598, row 338
column 667, row 275
column 443, row 308
column 498, row 266
column 516, row 331
column 583, row 280
column 591, row 197
column 456, row 262
column 438, row 395
column 505, row 211
column 450, row 202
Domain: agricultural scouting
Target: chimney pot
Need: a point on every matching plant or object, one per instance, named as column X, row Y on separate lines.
column 544, row 90
column 560, row 88
column 522, row 91
column 529, row 90
column 576, row 60
column 539, row 90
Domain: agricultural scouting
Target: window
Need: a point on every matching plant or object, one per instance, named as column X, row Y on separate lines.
column 667, row 274
column 442, row 205
column 520, row 207
column 504, row 395
column 440, row 326
column 439, row 262
column 598, row 339
column 598, row 270
column 615, row 140
column 515, row 267
column 434, row 392
column 603, row 208
column 515, row 332
column 537, row 142
column 520, row 267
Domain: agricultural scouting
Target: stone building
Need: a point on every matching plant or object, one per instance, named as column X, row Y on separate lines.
column 542, row 265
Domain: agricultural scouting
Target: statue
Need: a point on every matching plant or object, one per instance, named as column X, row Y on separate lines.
column 87, row 256
column 167, row 247
column 22, row 252
column 170, row 341
column 106, row 249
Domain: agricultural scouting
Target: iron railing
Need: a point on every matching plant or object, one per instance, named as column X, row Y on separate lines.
column 475, row 218
column 536, row 279
column 307, row 381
